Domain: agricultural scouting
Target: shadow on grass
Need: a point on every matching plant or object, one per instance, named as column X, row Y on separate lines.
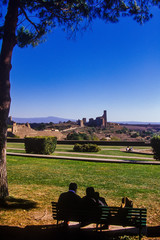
column 50, row 232
column 11, row 203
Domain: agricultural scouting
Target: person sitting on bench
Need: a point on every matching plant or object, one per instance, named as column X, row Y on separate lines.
column 69, row 203
column 89, row 205
column 100, row 200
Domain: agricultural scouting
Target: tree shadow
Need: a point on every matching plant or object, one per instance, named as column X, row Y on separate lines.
column 11, row 203
column 51, row 232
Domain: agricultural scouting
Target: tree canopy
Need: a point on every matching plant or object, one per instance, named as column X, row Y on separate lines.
column 38, row 17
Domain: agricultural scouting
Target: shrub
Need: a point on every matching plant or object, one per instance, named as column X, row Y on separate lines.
column 134, row 134
column 114, row 138
column 78, row 136
column 95, row 138
column 40, row 145
column 86, row 148
column 155, row 143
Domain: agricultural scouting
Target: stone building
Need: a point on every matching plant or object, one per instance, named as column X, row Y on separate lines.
column 98, row 122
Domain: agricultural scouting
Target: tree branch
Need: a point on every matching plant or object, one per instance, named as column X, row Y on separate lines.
column 25, row 14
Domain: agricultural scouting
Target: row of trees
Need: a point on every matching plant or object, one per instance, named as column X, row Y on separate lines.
column 26, row 22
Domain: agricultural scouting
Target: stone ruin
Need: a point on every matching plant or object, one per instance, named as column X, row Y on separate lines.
column 25, row 130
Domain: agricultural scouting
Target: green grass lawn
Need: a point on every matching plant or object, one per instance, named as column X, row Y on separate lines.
column 42, row 180
column 15, row 145
column 113, row 151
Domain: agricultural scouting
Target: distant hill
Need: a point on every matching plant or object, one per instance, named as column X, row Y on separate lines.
column 139, row 123
column 41, row 120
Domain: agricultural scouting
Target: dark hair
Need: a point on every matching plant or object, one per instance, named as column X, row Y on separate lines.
column 90, row 191
column 73, row 186
column 96, row 194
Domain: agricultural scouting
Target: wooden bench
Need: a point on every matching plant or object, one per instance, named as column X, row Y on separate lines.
column 108, row 216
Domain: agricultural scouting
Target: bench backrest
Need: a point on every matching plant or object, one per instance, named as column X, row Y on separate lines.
column 124, row 216
column 114, row 215
column 54, row 210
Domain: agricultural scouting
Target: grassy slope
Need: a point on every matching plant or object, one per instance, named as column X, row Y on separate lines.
column 42, row 180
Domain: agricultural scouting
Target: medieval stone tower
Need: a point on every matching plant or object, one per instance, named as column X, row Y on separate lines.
column 105, row 118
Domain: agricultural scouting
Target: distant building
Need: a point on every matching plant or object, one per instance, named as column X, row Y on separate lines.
column 98, row 122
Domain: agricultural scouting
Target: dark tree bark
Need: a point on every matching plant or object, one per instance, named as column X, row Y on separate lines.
column 9, row 41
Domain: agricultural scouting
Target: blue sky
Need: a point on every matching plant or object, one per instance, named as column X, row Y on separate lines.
column 111, row 66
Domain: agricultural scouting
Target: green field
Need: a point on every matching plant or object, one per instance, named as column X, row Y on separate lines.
column 106, row 152
column 41, row 180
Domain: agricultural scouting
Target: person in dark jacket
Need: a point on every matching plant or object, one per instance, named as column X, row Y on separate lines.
column 89, row 201
column 69, row 203
column 100, row 200
column 89, row 205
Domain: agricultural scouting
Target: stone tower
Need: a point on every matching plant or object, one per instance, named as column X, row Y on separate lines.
column 105, row 118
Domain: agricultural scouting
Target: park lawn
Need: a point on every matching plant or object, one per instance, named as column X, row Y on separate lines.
column 109, row 150
column 16, row 151
column 93, row 155
column 89, row 155
column 15, row 145
column 41, row 180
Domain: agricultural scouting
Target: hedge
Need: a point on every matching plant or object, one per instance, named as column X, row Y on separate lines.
column 86, row 148
column 40, row 145
column 155, row 143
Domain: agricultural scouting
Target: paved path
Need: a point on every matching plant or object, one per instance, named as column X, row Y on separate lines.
column 107, row 160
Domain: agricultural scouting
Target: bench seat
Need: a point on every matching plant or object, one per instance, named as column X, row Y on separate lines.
column 107, row 216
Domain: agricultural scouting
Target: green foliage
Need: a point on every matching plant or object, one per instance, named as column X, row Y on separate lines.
column 36, row 18
column 15, row 136
column 41, row 126
column 82, row 136
column 145, row 133
column 134, row 134
column 114, row 138
column 155, row 143
column 123, row 130
column 95, row 138
column 40, row 145
column 78, row 136
column 86, row 148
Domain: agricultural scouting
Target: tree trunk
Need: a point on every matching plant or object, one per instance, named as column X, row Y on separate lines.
column 9, row 41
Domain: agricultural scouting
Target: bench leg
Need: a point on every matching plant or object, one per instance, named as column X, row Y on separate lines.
column 140, row 234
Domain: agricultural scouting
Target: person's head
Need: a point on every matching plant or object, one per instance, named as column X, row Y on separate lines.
column 73, row 186
column 90, row 192
column 96, row 194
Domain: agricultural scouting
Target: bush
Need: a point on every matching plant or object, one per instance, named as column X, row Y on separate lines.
column 134, row 134
column 86, row 148
column 40, row 145
column 155, row 143
column 78, row 136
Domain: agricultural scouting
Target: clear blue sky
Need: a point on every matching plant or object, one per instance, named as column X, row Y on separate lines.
column 113, row 66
